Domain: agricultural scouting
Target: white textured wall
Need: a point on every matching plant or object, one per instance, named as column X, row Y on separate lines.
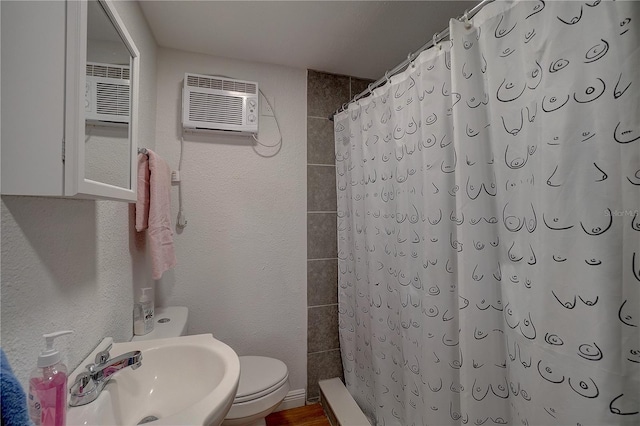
column 71, row 264
column 242, row 258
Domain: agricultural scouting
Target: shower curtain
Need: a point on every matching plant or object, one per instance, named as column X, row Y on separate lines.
column 489, row 224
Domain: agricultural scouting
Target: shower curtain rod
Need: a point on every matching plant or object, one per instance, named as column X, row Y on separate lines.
column 436, row 37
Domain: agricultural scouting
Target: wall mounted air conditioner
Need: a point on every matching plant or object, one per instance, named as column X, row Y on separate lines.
column 107, row 96
column 219, row 104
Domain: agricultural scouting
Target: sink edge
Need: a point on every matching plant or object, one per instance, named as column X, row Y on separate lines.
column 205, row 409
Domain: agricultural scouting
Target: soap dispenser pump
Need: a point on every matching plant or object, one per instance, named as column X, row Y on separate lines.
column 143, row 313
column 48, row 386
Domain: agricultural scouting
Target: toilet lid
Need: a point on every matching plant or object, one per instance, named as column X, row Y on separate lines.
column 259, row 376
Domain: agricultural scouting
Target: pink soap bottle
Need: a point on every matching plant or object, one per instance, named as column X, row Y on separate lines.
column 48, row 386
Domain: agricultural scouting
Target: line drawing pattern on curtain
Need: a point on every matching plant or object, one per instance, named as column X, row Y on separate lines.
column 489, row 224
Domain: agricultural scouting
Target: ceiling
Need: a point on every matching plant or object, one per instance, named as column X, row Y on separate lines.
column 357, row 38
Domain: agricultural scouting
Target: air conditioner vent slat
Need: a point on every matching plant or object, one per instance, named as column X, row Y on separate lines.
column 112, row 99
column 214, row 108
column 119, row 72
column 219, row 83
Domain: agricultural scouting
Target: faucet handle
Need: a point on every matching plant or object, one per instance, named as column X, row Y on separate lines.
column 103, row 356
column 83, row 390
column 83, row 384
column 83, row 380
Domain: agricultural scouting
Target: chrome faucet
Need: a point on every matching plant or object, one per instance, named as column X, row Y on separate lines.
column 90, row 383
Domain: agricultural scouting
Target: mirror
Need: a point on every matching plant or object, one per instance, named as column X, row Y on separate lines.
column 107, row 102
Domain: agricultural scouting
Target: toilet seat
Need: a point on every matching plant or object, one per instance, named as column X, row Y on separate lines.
column 259, row 376
column 264, row 383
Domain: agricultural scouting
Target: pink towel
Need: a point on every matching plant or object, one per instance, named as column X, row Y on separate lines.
column 142, row 205
column 153, row 211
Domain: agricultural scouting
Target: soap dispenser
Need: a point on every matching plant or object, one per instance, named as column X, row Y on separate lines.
column 143, row 320
column 48, row 386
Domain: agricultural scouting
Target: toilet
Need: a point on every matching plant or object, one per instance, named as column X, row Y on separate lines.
column 264, row 382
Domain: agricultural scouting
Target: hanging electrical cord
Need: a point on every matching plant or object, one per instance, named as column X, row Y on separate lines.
column 181, row 220
column 279, row 143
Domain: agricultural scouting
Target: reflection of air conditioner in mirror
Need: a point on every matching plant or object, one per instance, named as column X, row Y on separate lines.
column 107, row 96
column 220, row 104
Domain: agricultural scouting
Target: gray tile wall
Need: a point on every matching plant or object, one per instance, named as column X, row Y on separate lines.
column 325, row 94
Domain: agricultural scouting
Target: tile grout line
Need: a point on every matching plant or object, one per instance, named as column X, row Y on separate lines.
column 321, row 352
column 323, row 306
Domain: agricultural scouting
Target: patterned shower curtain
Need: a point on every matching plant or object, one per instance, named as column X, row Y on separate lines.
column 489, row 224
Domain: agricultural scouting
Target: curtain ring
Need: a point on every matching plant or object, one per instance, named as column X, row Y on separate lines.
column 369, row 88
column 410, row 61
column 386, row 76
column 435, row 41
column 467, row 23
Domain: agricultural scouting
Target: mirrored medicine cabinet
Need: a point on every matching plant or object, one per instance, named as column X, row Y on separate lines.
column 69, row 100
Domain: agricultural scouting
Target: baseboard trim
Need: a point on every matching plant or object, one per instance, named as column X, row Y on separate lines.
column 294, row 399
column 340, row 407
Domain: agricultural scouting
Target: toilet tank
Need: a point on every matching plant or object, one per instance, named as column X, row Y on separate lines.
column 169, row 322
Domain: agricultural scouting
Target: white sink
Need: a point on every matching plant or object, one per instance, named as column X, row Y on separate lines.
column 189, row 380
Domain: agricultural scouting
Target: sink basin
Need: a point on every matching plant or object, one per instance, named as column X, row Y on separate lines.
column 185, row 380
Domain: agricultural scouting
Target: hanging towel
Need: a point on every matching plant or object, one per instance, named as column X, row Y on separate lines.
column 14, row 401
column 142, row 205
column 153, row 211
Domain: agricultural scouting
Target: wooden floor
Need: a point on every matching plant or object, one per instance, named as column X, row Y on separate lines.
column 309, row 415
